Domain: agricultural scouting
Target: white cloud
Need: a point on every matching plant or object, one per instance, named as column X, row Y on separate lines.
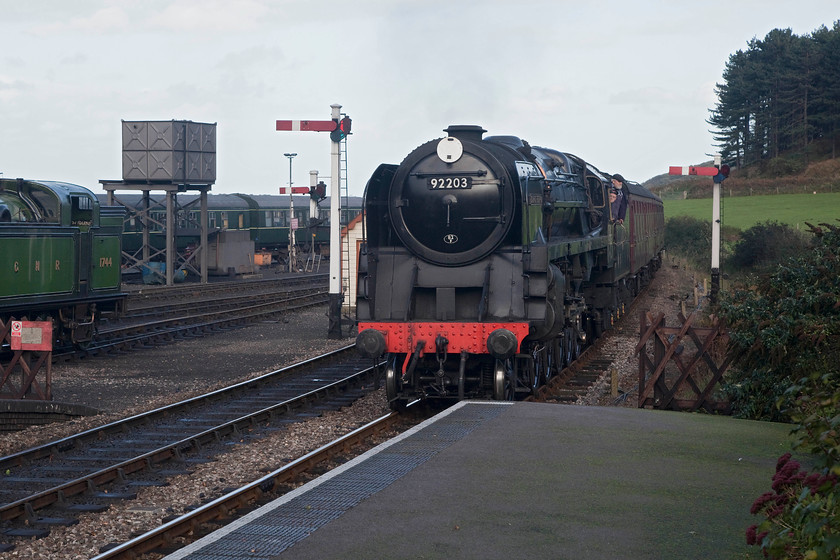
column 110, row 19
column 211, row 16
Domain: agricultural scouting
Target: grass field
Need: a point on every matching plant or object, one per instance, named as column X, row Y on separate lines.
column 744, row 212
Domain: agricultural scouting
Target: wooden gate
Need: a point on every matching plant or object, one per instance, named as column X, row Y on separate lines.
column 680, row 368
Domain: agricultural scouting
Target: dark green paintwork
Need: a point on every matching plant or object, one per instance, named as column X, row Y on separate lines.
column 105, row 262
column 38, row 264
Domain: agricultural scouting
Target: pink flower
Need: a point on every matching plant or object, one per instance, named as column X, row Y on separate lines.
column 751, row 536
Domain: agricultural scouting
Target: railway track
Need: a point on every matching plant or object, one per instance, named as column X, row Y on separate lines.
column 225, row 509
column 157, row 301
column 52, row 484
column 576, row 380
column 165, row 315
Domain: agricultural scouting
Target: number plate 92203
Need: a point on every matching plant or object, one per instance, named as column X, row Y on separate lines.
column 435, row 183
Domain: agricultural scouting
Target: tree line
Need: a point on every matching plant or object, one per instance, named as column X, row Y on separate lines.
column 778, row 96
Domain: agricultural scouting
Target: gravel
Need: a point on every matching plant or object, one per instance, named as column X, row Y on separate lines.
column 127, row 384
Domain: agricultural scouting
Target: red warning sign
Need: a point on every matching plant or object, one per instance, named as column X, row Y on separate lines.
column 32, row 335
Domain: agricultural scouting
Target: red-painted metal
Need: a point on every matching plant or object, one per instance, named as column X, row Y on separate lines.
column 295, row 190
column 693, row 170
column 312, row 126
column 402, row 338
column 31, row 335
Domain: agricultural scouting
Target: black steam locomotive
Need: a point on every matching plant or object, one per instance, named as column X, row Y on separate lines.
column 489, row 264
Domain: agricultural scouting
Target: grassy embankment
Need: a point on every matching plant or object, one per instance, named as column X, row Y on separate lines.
column 744, row 212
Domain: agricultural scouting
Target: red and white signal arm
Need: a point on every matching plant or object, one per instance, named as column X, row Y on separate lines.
column 312, row 126
column 32, row 335
column 693, row 170
column 295, row 190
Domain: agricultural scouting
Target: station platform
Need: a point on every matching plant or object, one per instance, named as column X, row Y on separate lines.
column 495, row 480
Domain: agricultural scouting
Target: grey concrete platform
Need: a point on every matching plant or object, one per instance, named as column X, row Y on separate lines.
column 498, row 480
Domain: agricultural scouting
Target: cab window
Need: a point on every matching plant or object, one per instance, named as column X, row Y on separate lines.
column 81, row 212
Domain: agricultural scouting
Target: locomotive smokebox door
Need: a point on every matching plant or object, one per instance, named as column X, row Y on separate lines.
column 450, row 203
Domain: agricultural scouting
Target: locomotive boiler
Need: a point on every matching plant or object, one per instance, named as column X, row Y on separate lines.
column 489, row 264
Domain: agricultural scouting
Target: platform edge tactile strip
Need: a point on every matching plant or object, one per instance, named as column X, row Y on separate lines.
column 266, row 532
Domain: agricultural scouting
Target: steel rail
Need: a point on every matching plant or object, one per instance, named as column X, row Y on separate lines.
column 222, row 507
column 563, row 379
column 27, row 506
column 173, row 328
column 156, row 293
column 217, row 301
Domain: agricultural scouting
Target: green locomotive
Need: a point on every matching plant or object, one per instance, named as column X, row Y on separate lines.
column 59, row 257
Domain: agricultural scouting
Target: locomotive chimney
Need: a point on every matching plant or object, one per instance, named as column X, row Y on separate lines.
column 469, row 132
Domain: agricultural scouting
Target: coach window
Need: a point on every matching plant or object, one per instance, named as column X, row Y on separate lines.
column 224, row 220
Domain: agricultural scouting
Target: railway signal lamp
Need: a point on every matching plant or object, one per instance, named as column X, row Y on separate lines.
column 341, row 130
column 723, row 173
column 318, row 192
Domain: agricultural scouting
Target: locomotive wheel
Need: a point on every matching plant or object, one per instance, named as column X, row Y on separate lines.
column 503, row 382
column 391, row 387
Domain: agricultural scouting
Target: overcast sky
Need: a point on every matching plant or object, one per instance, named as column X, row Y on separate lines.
column 626, row 85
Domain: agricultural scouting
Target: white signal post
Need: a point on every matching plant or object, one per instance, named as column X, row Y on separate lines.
column 716, row 233
column 719, row 173
column 334, row 310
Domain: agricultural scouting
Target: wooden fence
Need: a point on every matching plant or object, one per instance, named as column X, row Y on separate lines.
column 680, row 368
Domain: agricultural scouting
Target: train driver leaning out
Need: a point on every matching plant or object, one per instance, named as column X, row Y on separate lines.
column 618, row 199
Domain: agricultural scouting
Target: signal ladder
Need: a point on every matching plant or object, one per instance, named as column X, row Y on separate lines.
column 344, row 223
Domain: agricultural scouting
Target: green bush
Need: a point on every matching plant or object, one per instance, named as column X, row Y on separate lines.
column 784, row 329
column 785, row 339
column 767, row 245
column 783, row 166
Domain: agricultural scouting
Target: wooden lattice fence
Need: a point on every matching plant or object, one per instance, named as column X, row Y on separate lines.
column 681, row 368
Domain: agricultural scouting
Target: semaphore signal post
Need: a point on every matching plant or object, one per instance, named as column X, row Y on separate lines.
column 338, row 128
column 718, row 173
